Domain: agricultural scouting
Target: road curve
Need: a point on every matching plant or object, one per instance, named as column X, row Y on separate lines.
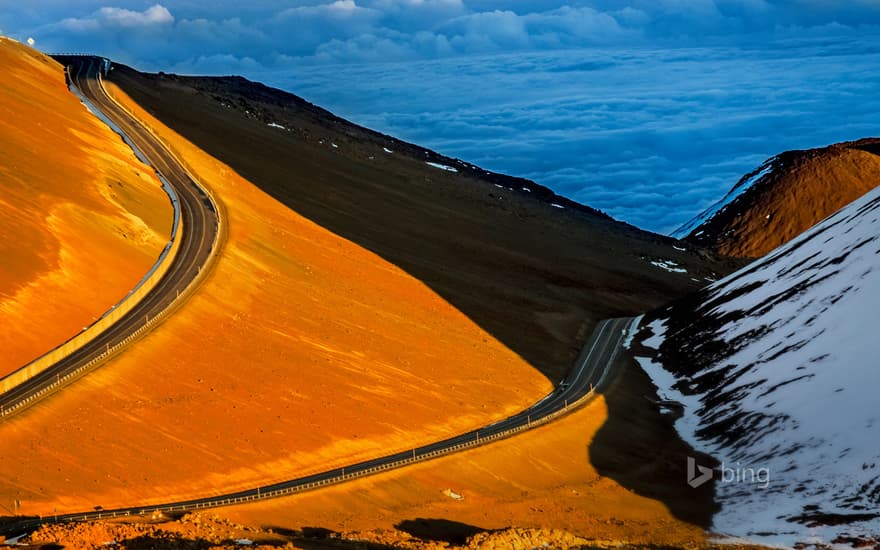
column 200, row 230
column 579, row 387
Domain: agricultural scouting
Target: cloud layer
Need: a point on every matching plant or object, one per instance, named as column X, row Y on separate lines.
column 649, row 109
column 271, row 33
column 651, row 136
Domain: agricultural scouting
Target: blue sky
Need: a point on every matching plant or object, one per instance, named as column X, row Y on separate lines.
column 648, row 109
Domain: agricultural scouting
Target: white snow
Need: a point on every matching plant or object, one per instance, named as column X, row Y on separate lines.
column 631, row 331
column 244, row 542
column 441, row 166
column 680, row 249
column 276, row 125
column 526, row 189
column 738, row 189
column 799, row 381
column 387, row 150
column 554, row 205
column 668, row 265
column 334, row 146
column 13, row 541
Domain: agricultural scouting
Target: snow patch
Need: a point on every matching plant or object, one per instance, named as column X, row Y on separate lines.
column 387, row 150
column 741, row 187
column 668, row 265
column 276, row 125
column 441, row 166
column 554, row 205
column 631, row 331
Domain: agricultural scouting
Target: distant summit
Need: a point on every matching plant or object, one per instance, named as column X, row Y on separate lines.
column 784, row 197
column 774, row 367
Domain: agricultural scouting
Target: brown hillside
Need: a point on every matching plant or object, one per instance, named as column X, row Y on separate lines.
column 803, row 188
column 307, row 347
column 611, row 472
column 81, row 219
column 301, row 351
column 535, row 276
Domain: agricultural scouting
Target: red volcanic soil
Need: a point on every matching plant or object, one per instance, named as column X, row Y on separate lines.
column 81, row 219
column 802, row 189
column 365, row 302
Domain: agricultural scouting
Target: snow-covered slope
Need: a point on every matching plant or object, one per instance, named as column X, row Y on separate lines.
column 777, row 366
column 693, row 226
column 784, row 197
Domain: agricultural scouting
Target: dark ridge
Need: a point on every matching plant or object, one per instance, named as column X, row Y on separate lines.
column 818, row 519
column 237, row 87
column 535, row 277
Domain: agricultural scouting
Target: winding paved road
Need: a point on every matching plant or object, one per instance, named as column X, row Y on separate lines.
column 199, row 228
column 587, row 375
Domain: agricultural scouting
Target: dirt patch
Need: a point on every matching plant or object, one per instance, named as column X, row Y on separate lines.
column 206, row 531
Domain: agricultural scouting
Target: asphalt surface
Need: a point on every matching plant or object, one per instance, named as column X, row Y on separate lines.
column 587, row 375
column 199, row 230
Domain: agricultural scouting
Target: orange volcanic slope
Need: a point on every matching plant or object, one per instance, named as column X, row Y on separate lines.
column 302, row 351
column 81, row 219
column 802, row 189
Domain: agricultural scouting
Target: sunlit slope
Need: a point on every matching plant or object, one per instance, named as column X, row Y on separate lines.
column 787, row 195
column 302, row 351
column 81, row 219
column 546, row 478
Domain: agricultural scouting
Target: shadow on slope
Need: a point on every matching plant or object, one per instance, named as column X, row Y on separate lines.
column 439, row 530
column 534, row 270
column 638, row 447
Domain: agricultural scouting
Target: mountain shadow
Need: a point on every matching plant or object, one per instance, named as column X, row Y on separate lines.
column 638, row 447
column 533, row 269
column 439, row 530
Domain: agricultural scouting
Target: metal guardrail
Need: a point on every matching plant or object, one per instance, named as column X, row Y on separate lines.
column 258, row 494
column 118, row 310
column 62, row 381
